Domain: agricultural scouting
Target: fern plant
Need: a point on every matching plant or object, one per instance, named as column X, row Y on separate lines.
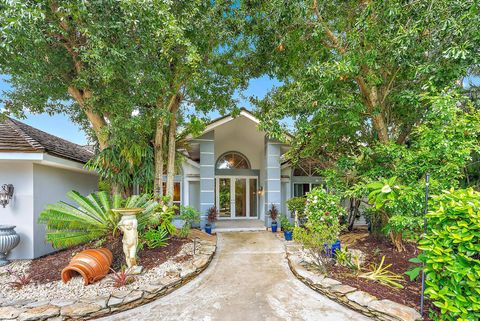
column 68, row 225
column 155, row 238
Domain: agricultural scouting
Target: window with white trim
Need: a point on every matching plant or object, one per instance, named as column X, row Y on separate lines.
column 301, row 189
column 177, row 194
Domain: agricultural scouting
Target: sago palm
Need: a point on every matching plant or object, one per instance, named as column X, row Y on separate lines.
column 93, row 218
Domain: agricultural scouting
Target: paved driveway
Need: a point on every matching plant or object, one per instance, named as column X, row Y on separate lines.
column 248, row 279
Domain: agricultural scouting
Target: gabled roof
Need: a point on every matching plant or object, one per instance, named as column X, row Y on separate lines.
column 16, row 136
column 228, row 118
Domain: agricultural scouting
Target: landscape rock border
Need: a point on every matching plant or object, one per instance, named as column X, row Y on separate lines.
column 365, row 303
column 117, row 301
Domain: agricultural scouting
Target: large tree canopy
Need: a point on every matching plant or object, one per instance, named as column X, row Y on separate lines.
column 101, row 61
column 353, row 71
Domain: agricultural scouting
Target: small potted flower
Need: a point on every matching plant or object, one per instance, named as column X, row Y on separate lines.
column 211, row 218
column 273, row 212
column 287, row 227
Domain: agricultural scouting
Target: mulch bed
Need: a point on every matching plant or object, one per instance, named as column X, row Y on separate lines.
column 48, row 268
column 374, row 249
column 150, row 258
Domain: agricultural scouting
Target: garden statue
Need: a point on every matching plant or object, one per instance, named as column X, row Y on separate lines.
column 128, row 225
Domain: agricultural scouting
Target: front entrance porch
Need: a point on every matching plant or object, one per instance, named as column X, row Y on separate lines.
column 236, row 197
column 238, row 225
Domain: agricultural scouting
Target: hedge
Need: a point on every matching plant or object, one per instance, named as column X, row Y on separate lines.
column 452, row 254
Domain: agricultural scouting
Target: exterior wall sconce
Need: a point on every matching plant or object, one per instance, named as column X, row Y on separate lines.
column 6, row 194
column 260, row 190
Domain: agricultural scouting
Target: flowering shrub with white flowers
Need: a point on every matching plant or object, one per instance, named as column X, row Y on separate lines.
column 322, row 207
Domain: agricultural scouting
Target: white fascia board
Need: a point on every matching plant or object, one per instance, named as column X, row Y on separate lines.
column 191, row 162
column 21, row 156
column 47, row 160
column 54, row 161
column 286, row 165
column 227, row 119
column 250, row 116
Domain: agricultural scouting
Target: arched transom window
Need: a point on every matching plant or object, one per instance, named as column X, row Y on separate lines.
column 233, row 160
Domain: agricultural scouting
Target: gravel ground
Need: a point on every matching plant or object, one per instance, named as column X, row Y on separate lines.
column 75, row 288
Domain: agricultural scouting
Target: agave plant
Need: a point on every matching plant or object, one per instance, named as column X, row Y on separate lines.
column 93, row 218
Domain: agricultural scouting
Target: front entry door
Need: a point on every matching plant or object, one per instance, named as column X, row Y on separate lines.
column 236, row 197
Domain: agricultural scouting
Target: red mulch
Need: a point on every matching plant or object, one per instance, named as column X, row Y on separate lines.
column 150, row 258
column 48, row 268
column 374, row 249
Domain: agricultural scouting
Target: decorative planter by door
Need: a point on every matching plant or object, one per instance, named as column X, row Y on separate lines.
column 208, row 228
column 92, row 265
column 274, row 227
column 288, row 235
column 8, row 240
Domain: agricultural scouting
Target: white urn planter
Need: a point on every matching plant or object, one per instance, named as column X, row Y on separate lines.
column 128, row 224
column 8, row 240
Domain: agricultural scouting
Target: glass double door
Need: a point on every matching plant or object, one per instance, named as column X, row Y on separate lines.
column 236, row 197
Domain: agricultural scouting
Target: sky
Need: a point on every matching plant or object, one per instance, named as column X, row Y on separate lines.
column 60, row 125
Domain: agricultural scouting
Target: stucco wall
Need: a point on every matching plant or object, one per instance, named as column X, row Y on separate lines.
column 51, row 185
column 242, row 135
column 19, row 211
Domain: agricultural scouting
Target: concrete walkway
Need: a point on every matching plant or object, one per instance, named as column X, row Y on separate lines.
column 248, row 279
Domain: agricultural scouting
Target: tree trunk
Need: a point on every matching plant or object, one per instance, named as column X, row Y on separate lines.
column 171, row 154
column 381, row 128
column 370, row 95
column 378, row 121
column 158, row 145
column 96, row 120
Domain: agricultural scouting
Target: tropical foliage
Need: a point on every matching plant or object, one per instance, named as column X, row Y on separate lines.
column 323, row 208
column 91, row 218
column 155, row 238
column 316, row 238
column 452, row 247
column 190, row 217
column 382, row 274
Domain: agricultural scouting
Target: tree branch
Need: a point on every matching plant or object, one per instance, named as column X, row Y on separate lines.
column 330, row 34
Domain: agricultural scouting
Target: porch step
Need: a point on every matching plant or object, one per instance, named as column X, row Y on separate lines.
column 238, row 229
column 239, row 225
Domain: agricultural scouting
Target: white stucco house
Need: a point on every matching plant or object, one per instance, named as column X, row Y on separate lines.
column 237, row 168
column 42, row 168
column 232, row 166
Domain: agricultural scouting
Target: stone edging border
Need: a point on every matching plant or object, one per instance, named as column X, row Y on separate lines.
column 117, row 301
column 363, row 302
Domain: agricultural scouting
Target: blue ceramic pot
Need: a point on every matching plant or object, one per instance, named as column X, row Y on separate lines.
column 208, row 228
column 274, row 227
column 288, row 235
column 330, row 249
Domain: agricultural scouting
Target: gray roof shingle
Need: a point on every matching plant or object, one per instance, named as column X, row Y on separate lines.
column 16, row 136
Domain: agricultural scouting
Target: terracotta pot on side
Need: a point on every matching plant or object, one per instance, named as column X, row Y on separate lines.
column 92, row 265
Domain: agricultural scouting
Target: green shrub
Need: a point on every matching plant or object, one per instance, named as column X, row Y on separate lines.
column 314, row 237
column 190, row 216
column 345, row 258
column 297, row 204
column 285, row 223
column 452, row 259
column 323, row 207
column 165, row 217
column 91, row 219
column 155, row 238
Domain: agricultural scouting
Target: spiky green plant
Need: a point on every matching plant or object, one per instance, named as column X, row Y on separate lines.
column 382, row 274
column 92, row 218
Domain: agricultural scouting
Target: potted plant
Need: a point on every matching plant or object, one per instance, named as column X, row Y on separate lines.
column 211, row 218
column 273, row 212
column 287, row 227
